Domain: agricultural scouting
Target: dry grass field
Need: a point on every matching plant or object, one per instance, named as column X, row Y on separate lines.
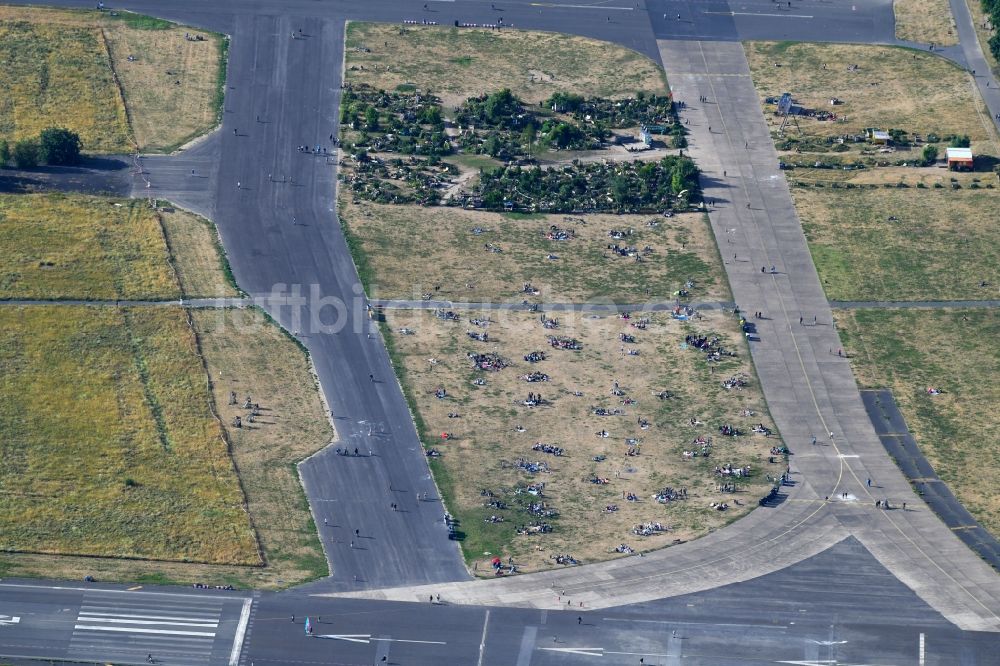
column 456, row 63
column 940, row 246
column 925, row 22
column 110, row 447
column 73, row 246
column 245, row 353
column 954, row 351
column 892, row 88
column 250, row 355
column 409, row 251
column 492, row 429
column 59, row 74
column 198, row 257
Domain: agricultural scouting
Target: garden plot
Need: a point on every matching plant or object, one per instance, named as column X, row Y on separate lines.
column 474, row 256
column 578, row 436
column 880, row 87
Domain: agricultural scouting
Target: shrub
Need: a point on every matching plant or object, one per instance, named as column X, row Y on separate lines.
column 26, row 154
column 59, row 146
column 4, row 153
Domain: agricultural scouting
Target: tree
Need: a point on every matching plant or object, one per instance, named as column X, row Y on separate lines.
column 58, row 145
column 371, row 119
column 4, row 153
column 960, row 141
column 930, row 155
column 26, row 154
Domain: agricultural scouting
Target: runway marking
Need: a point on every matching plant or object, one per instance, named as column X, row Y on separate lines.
column 600, row 652
column 367, row 638
column 94, row 616
column 7, row 620
column 241, row 630
column 115, row 620
column 802, row 16
column 182, row 595
column 139, row 630
column 697, row 624
column 482, row 641
column 559, row 4
column 920, row 659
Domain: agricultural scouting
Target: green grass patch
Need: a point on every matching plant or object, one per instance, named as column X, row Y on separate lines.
column 954, row 351
column 940, row 245
column 58, row 76
column 89, row 398
column 81, row 247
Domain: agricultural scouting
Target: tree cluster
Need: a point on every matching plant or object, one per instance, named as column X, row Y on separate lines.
column 55, row 146
column 629, row 187
column 992, row 10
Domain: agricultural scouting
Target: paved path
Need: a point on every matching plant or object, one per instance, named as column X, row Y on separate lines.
column 655, row 306
column 976, row 61
column 902, row 446
column 274, row 208
column 810, row 391
column 197, row 303
column 915, row 305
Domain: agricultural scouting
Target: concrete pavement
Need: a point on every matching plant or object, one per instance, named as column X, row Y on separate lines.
column 94, row 623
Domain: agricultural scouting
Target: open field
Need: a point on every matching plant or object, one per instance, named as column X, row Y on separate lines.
column 245, row 353
column 954, row 351
column 409, row 251
column 74, row 246
column 250, row 355
column 925, row 21
column 197, row 253
column 892, row 88
column 941, row 245
column 67, row 246
column 57, row 75
column 493, row 429
column 60, row 74
column 456, row 63
column 110, row 447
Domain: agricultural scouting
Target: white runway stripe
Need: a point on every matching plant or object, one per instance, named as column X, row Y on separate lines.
column 174, row 618
column 139, row 630
column 119, row 620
